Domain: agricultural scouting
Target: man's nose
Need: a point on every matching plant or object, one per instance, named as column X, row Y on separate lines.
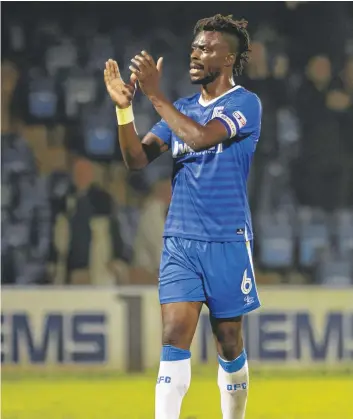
column 195, row 54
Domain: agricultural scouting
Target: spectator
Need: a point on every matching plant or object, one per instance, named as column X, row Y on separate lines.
column 148, row 243
column 89, row 211
column 319, row 162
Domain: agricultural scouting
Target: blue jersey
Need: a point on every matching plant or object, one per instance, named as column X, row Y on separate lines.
column 209, row 187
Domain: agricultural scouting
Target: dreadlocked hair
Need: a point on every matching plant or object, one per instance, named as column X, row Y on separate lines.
column 226, row 24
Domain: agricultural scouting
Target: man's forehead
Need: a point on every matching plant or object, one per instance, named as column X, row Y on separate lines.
column 208, row 38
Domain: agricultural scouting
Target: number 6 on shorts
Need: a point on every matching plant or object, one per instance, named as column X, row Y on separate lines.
column 246, row 284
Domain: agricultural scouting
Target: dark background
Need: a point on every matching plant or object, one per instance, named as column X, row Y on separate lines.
column 71, row 213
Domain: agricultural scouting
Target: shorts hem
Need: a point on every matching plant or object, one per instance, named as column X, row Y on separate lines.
column 229, row 314
column 182, row 300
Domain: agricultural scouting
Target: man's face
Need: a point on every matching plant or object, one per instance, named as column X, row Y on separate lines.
column 210, row 57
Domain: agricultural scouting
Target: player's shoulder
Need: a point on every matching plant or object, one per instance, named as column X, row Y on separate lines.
column 187, row 100
column 245, row 97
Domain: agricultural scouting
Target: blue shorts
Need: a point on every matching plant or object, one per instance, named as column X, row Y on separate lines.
column 220, row 274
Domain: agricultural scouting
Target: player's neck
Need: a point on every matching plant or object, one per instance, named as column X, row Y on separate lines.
column 216, row 88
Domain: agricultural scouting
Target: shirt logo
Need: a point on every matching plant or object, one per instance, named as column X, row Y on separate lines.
column 180, row 149
column 240, row 118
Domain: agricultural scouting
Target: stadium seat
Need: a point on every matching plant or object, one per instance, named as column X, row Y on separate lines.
column 276, row 241
column 80, row 88
column 344, row 232
column 314, row 236
column 99, row 140
column 42, row 98
column 335, row 271
column 61, row 56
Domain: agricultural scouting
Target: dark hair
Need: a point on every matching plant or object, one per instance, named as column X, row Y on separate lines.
column 237, row 28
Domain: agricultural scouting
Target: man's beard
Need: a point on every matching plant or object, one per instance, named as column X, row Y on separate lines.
column 211, row 77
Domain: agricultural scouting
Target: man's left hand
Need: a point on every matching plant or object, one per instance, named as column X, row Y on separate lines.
column 147, row 72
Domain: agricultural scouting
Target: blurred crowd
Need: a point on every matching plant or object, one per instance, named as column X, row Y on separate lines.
column 72, row 214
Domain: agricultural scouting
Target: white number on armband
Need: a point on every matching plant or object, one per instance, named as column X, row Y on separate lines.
column 246, row 284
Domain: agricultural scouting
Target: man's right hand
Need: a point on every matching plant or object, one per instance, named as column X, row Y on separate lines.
column 120, row 92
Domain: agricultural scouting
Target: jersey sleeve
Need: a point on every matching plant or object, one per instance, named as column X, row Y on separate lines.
column 241, row 118
column 162, row 130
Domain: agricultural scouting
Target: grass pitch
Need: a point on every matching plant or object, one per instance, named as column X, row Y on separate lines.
column 90, row 396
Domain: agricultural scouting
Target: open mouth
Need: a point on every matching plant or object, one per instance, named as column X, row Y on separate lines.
column 194, row 66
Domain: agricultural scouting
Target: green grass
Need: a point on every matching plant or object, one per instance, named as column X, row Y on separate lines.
column 97, row 395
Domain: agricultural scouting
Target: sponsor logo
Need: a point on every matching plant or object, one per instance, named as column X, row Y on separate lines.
column 180, row 149
column 240, row 118
column 248, row 300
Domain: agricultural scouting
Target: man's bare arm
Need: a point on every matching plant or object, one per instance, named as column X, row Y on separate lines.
column 196, row 136
column 136, row 153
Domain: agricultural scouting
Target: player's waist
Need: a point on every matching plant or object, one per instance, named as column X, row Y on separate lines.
column 170, row 232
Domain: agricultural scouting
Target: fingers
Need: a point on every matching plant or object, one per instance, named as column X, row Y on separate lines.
column 135, row 71
column 111, row 71
column 111, row 68
column 107, row 76
column 114, row 69
column 138, row 66
column 160, row 64
column 148, row 58
column 142, row 65
column 140, row 62
column 133, row 80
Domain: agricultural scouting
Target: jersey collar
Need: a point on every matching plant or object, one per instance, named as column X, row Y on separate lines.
column 204, row 103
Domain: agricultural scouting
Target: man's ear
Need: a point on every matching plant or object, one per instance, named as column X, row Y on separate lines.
column 230, row 59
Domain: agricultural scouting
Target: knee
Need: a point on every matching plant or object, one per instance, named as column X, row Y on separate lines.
column 175, row 334
column 230, row 343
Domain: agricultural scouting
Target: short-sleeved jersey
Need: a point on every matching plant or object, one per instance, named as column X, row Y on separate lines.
column 209, row 187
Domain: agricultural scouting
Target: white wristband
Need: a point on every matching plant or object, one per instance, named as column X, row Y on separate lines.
column 124, row 116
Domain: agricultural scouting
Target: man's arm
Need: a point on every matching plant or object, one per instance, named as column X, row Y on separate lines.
column 136, row 153
column 196, row 136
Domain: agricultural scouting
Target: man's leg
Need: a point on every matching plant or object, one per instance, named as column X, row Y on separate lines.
column 233, row 376
column 179, row 324
column 231, row 293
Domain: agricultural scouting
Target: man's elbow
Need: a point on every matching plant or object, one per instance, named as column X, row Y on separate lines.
column 133, row 168
column 135, row 165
